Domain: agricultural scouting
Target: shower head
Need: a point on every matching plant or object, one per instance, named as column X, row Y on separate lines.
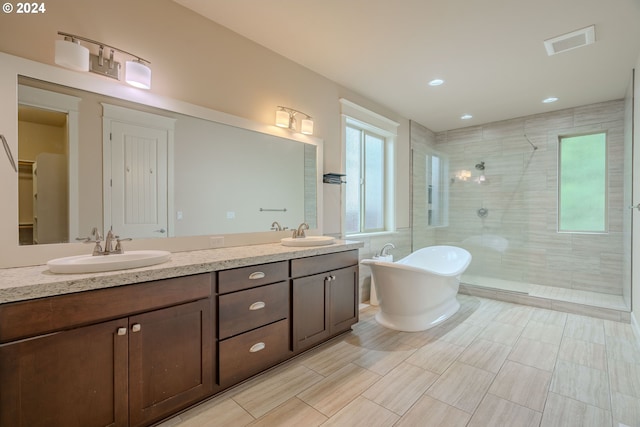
column 480, row 166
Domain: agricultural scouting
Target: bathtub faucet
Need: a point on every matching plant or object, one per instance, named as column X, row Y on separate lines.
column 384, row 250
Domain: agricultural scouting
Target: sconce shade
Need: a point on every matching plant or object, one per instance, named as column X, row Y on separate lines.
column 282, row 119
column 72, row 55
column 138, row 74
column 307, row 127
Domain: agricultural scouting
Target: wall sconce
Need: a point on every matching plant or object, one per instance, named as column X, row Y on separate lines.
column 286, row 118
column 71, row 54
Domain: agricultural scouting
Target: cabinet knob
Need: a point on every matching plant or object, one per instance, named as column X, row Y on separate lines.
column 122, row 331
column 136, row 327
column 257, row 275
column 258, row 305
column 257, row 347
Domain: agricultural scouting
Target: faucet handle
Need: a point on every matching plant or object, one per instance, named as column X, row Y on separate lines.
column 118, row 248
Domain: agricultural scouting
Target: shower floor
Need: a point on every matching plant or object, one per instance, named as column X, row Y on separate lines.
column 576, row 301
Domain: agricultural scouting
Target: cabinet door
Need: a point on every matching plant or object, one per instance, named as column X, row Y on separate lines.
column 75, row 378
column 343, row 308
column 171, row 360
column 310, row 296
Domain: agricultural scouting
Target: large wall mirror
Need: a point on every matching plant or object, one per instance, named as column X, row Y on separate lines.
column 96, row 154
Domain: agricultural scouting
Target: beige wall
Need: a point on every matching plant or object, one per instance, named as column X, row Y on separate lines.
column 198, row 61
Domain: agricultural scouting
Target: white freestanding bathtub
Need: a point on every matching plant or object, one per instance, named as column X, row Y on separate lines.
column 419, row 291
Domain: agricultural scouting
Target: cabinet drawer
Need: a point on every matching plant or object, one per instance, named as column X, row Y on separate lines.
column 249, row 309
column 249, row 277
column 252, row 352
column 320, row 263
column 35, row 317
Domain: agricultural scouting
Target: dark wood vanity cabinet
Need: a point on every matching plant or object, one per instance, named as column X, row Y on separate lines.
column 144, row 354
column 133, row 355
column 253, row 323
column 324, row 297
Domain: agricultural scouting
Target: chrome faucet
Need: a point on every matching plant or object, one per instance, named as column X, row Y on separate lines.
column 384, row 250
column 108, row 243
column 300, row 231
column 277, row 227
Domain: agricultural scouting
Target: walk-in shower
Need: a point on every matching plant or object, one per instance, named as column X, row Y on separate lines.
column 500, row 201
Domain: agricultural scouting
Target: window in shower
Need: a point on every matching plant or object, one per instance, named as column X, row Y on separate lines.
column 582, row 180
column 437, row 167
column 369, row 141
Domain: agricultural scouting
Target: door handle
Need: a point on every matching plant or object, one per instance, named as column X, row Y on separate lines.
column 635, row 207
column 162, row 230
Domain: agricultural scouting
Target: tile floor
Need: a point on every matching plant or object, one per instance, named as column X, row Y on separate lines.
column 493, row 364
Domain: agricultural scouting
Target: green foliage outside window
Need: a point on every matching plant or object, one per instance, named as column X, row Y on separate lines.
column 583, row 183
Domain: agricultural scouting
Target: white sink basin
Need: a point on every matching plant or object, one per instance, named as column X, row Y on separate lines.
column 308, row 241
column 99, row 263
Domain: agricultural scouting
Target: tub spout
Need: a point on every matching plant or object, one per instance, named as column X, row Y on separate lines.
column 384, row 250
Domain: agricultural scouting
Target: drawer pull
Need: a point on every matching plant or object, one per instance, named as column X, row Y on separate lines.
column 257, row 275
column 122, row 331
column 258, row 305
column 136, row 327
column 257, row 347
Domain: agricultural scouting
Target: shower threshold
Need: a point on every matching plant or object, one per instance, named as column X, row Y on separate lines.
column 606, row 306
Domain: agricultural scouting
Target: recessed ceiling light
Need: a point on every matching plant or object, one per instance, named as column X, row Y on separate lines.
column 436, row 82
column 550, row 100
column 466, row 116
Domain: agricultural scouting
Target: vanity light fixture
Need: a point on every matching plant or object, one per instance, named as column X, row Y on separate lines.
column 71, row 54
column 286, row 118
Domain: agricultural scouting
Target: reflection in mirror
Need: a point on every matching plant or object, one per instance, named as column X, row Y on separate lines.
column 149, row 172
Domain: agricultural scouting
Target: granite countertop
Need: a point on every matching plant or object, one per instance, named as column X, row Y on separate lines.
column 23, row 283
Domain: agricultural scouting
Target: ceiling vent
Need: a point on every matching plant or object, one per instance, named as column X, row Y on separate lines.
column 572, row 40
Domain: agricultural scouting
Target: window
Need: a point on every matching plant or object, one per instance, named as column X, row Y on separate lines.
column 369, row 146
column 365, row 181
column 582, row 180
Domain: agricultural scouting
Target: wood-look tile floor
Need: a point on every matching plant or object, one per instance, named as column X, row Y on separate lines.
column 492, row 364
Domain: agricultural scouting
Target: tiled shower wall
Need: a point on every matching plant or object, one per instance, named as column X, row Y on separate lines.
column 518, row 239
